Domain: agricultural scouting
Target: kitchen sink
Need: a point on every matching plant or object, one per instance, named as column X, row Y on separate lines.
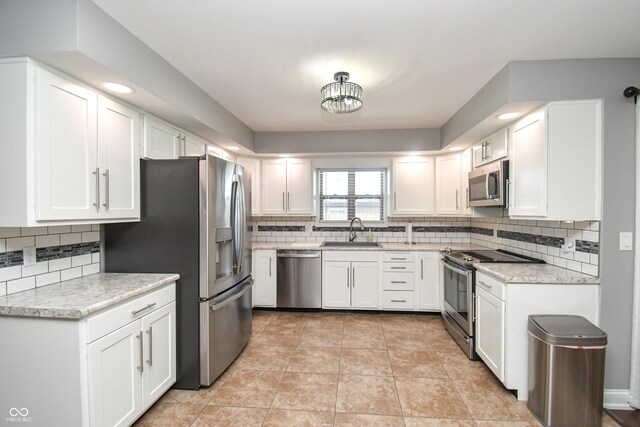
column 351, row 244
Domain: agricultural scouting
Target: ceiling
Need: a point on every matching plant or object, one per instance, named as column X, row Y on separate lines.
column 418, row 61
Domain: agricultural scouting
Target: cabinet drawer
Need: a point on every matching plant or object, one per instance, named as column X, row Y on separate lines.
column 113, row 318
column 397, row 257
column 491, row 285
column 398, row 266
column 398, row 300
column 393, row 281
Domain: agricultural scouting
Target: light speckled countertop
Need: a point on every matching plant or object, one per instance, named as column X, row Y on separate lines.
column 535, row 273
column 422, row 247
column 77, row 298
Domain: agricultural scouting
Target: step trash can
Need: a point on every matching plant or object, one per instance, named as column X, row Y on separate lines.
column 566, row 370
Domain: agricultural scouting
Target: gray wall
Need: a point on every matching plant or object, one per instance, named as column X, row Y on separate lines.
column 587, row 79
column 368, row 141
column 76, row 36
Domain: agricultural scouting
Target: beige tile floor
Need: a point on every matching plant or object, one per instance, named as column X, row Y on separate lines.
column 330, row 369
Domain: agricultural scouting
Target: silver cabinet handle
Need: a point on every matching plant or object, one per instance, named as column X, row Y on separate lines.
column 398, row 268
column 467, row 197
column 141, row 367
column 270, row 261
column 508, row 193
column 457, row 203
column 398, row 300
column 421, row 269
column 398, row 259
column 288, row 199
column 106, row 189
column 97, row 203
column 133, row 313
column 283, row 208
column 150, row 333
column 348, row 276
column 480, row 282
column 475, row 309
column 398, row 281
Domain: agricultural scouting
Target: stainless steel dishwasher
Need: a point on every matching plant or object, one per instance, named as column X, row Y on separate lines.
column 299, row 279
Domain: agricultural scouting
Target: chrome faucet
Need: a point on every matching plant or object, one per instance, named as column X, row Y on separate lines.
column 353, row 233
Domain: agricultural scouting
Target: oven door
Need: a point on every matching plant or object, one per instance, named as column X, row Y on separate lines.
column 458, row 295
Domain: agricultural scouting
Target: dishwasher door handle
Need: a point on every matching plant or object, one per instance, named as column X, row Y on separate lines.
column 287, row 255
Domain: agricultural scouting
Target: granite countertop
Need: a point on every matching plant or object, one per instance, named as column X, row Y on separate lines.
column 535, row 273
column 77, row 298
column 420, row 247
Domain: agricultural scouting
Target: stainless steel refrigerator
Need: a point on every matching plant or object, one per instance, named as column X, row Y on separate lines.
column 194, row 221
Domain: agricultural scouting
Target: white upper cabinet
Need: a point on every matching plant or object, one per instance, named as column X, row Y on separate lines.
column 161, row 141
column 67, row 150
column 286, row 185
column 252, row 166
column 448, row 185
column 193, row 146
column 413, row 186
column 556, row 163
column 490, row 149
column 465, row 167
column 75, row 156
column 118, row 159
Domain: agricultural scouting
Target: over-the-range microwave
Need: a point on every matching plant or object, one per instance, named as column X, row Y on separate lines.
column 488, row 184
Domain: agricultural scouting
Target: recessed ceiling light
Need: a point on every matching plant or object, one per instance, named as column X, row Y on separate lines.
column 233, row 147
column 507, row 116
column 455, row 148
column 117, row 87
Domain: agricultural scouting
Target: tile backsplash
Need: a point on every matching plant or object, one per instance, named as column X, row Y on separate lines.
column 62, row 253
column 538, row 239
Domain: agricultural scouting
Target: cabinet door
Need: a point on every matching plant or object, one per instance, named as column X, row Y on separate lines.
column 159, row 353
column 192, row 146
column 298, row 187
column 496, row 147
column 274, row 184
column 264, row 272
column 448, row 185
column 478, row 154
column 118, row 159
column 428, row 270
column 66, row 150
column 160, row 140
column 252, row 166
column 364, row 284
column 336, row 280
column 413, row 185
column 465, row 168
column 490, row 331
column 528, row 168
column 115, row 381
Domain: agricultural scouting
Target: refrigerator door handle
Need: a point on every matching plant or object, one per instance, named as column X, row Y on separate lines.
column 237, row 221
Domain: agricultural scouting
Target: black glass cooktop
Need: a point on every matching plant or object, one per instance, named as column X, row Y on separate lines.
column 490, row 255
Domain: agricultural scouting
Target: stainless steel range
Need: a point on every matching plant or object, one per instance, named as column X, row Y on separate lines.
column 459, row 290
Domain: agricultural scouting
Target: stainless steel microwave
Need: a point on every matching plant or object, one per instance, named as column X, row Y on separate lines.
column 487, row 184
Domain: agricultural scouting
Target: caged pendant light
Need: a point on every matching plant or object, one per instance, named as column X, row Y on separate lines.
column 341, row 96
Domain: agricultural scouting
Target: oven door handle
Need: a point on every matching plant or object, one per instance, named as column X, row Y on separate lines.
column 457, row 270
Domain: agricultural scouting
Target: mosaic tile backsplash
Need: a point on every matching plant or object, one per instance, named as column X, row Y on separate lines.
column 62, row 253
column 539, row 239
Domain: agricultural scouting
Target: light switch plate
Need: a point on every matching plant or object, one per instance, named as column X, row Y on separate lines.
column 626, row 241
column 29, row 256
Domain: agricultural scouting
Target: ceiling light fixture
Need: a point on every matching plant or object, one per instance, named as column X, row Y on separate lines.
column 341, row 96
column 507, row 116
column 233, row 147
column 117, row 87
column 455, row 148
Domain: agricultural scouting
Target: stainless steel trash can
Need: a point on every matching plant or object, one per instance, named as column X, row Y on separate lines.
column 566, row 370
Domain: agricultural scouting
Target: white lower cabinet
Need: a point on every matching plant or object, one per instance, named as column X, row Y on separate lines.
column 350, row 279
column 265, row 279
column 490, row 331
column 502, row 314
column 428, row 279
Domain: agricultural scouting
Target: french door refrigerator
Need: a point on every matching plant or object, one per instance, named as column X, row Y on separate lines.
column 194, row 222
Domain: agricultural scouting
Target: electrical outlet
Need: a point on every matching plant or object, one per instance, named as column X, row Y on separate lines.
column 569, row 245
column 626, row 241
column 29, row 256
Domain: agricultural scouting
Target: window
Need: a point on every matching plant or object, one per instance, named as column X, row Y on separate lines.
column 347, row 193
